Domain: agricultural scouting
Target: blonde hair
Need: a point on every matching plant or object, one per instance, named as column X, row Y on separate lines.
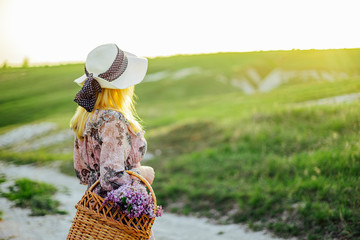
column 121, row 100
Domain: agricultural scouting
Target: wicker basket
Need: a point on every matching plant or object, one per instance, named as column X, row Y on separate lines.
column 93, row 220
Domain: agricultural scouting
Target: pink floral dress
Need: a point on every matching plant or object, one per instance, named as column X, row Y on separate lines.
column 109, row 147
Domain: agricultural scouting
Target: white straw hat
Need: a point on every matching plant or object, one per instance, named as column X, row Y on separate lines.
column 107, row 66
column 114, row 68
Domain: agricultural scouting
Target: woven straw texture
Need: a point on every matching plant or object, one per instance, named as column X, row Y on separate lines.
column 93, row 220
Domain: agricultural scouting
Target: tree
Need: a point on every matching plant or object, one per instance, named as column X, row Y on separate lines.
column 25, row 63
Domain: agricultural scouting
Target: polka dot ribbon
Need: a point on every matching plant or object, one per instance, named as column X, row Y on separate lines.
column 87, row 96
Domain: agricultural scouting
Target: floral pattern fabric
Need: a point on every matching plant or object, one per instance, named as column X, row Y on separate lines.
column 109, row 147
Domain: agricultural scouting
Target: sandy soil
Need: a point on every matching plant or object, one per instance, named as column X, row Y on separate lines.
column 17, row 224
column 26, row 132
column 251, row 82
column 346, row 98
column 179, row 74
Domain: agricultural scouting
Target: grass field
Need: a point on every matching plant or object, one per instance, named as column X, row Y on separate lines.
column 37, row 196
column 266, row 159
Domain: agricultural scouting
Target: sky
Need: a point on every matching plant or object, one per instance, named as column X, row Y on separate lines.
column 53, row 31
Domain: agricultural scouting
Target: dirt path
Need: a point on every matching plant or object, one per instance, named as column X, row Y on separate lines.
column 17, row 224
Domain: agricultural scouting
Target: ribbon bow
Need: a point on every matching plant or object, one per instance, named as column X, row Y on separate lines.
column 86, row 97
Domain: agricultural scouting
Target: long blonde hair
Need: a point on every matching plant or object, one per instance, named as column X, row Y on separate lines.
column 121, row 100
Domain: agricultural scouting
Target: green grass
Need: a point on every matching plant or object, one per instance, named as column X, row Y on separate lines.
column 284, row 171
column 264, row 159
column 2, row 178
column 51, row 93
column 37, row 157
column 37, row 196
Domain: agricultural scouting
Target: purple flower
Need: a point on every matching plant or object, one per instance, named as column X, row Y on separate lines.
column 133, row 200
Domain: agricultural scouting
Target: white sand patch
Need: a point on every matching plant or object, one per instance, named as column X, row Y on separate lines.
column 47, row 141
column 346, row 98
column 327, row 76
column 179, row 74
column 247, row 88
column 243, row 85
column 253, row 74
column 251, row 82
column 287, row 75
column 34, row 137
column 309, row 74
column 342, row 75
column 25, row 133
column 153, row 77
column 271, row 81
column 17, row 224
column 236, row 83
column 221, row 78
column 183, row 73
column 174, row 227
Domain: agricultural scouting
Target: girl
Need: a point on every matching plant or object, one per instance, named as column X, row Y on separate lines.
column 108, row 138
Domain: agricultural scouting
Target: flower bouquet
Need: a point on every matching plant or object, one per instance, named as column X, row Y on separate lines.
column 134, row 200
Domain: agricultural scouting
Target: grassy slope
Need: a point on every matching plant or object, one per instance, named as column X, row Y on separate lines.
column 291, row 168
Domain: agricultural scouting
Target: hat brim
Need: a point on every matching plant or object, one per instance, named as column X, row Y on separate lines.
column 133, row 74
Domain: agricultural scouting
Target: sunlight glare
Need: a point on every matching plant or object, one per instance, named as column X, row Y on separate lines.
column 60, row 31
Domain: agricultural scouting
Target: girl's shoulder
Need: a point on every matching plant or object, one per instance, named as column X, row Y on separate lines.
column 100, row 117
column 108, row 115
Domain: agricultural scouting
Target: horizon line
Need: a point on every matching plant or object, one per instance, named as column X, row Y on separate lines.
column 56, row 63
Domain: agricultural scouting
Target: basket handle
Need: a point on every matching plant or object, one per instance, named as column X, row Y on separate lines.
column 142, row 179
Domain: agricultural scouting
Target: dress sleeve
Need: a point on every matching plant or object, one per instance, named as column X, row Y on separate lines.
column 80, row 167
column 116, row 146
